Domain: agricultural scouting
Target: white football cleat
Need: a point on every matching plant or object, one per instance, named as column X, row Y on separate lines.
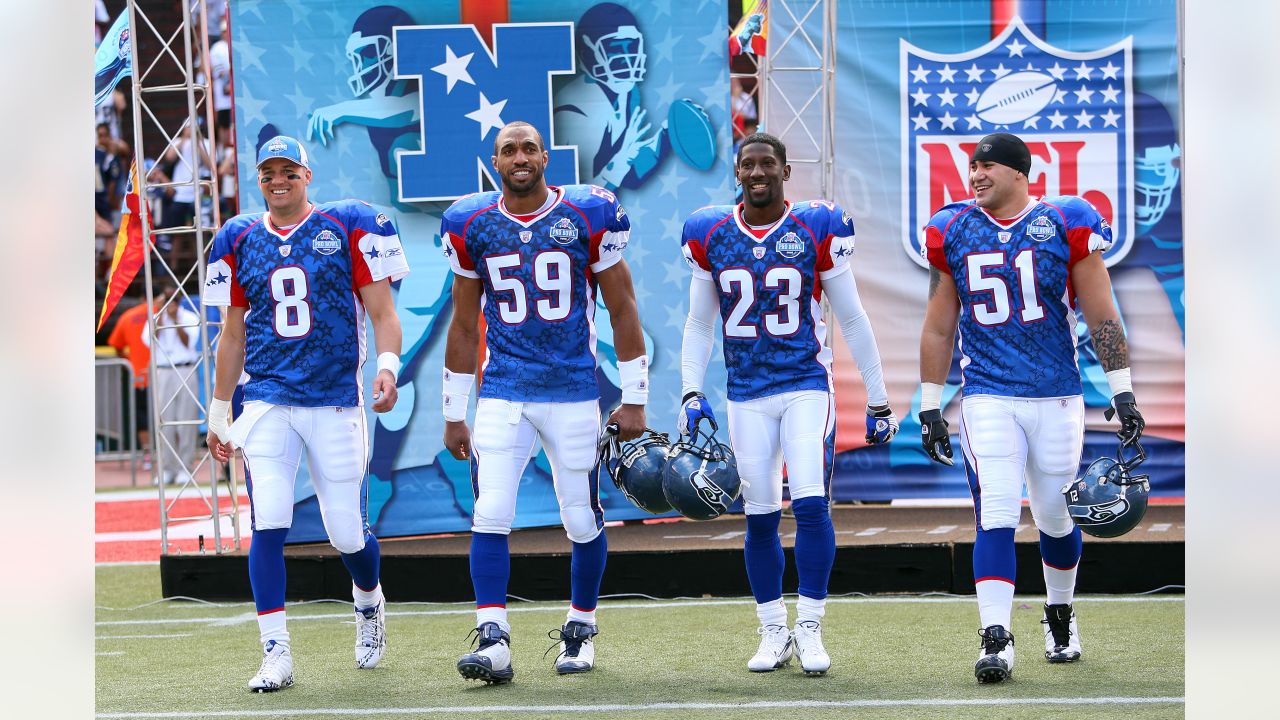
column 1061, row 636
column 577, row 651
column 814, row 659
column 371, row 635
column 276, row 672
column 491, row 662
column 995, row 661
column 776, row 649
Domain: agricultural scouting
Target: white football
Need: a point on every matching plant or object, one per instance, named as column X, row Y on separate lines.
column 1016, row 97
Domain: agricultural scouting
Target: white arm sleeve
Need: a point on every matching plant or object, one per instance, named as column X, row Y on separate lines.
column 699, row 333
column 842, row 293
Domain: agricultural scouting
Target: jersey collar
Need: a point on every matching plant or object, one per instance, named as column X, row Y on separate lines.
column 746, row 229
column 531, row 219
column 1006, row 223
column 285, row 234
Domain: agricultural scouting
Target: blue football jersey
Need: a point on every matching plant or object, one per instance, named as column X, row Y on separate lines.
column 304, row 330
column 539, row 291
column 1013, row 277
column 770, row 286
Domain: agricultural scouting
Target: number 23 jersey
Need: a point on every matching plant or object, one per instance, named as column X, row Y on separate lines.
column 770, row 283
column 539, row 287
column 305, row 328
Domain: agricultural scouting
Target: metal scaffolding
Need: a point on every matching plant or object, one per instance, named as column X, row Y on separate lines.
column 797, row 101
column 164, row 77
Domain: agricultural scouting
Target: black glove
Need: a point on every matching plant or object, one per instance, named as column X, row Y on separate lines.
column 1131, row 423
column 934, row 436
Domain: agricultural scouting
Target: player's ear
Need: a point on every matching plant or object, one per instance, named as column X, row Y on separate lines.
column 786, row 172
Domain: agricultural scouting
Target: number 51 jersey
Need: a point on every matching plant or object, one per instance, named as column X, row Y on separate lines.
column 770, row 283
column 539, row 287
column 304, row 331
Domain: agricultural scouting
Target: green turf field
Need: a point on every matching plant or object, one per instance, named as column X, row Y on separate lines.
column 891, row 658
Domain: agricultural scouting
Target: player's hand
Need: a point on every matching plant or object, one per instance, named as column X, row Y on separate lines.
column 320, row 126
column 221, row 451
column 882, row 425
column 935, row 437
column 695, row 409
column 1131, row 423
column 630, row 421
column 457, row 439
column 384, row 391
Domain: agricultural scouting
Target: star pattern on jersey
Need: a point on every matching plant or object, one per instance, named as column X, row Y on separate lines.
column 220, row 278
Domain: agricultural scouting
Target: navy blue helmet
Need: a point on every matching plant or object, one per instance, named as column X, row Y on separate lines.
column 1109, row 500
column 636, row 467
column 701, row 476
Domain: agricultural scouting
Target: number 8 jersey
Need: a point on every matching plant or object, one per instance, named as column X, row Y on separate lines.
column 1013, row 277
column 770, row 284
column 539, row 290
column 305, row 328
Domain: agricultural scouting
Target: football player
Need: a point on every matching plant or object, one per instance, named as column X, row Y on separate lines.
column 310, row 273
column 762, row 267
column 1010, row 268
column 532, row 258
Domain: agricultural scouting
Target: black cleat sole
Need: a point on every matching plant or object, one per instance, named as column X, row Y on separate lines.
column 991, row 674
column 258, row 691
column 481, row 672
column 1058, row 659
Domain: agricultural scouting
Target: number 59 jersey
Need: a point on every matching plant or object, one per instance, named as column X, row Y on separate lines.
column 1013, row 277
column 770, row 283
column 539, row 288
column 304, row 331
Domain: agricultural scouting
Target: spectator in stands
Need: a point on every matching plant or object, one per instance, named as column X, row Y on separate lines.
column 108, row 175
column 744, row 108
column 127, row 339
column 176, row 348
column 182, row 199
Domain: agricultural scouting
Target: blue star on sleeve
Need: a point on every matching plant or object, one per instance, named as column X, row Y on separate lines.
column 373, row 252
column 220, row 278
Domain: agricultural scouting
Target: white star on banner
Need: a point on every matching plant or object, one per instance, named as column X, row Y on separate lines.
column 1082, row 71
column 677, row 272
column 713, row 42
column 1032, row 122
column 665, row 48
column 1015, row 48
column 249, row 54
column 489, row 115
column 920, row 97
column 974, row 72
column 946, row 97
column 1057, row 71
column 344, row 183
column 669, row 183
column 921, row 121
column 920, row 74
column 1110, row 118
column 974, row 123
column 297, row 10
column 251, row 106
column 1060, row 96
column 1000, row 71
column 1083, row 118
column 667, row 93
column 1110, row 94
column 301, row 56
column 1057, row 120
column 1109, row 71
column 454, row 69
column 302, row 103
column 972, row 97
column 948, row 122
column 673, row 227
column 1084, row 95
column 946, row 74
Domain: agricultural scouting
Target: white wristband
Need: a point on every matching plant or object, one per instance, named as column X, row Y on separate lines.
column 389, row 361
column 930, row 396
column 457, row 395
column 1120, row 381
column 634, row 375
column 219, row 418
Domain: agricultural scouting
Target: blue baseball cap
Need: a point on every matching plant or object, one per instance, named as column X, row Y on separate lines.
column 283, row 146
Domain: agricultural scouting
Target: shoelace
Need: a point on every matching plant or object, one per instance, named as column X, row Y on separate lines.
column 269, row 662
column 368, row 629
column 473, row 639
column 572, row 645
column 992, row 644
column 777, row 634
column 1060, row 629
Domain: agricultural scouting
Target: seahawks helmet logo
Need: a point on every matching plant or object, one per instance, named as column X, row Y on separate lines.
column 1100, row 514
column 710, row 493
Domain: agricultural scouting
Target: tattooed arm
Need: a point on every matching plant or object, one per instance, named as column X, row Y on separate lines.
column 937, row 339
column 1092, row 284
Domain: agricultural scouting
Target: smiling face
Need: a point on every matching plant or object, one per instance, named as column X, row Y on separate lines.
column 761, row 173
column 520, row 159
column 284, row 187
column 996, row 187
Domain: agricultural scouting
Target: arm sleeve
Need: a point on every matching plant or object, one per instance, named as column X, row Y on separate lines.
column 699, row 334
column 453, row 239
column 221, row 287
column 608, row 244
column 842, row 293
column 1087, row 231
column 377, row 253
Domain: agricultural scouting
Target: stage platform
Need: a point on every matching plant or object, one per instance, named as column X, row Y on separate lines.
column 879, row 549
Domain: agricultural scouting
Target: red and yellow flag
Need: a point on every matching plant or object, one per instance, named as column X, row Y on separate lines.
column 130, row 253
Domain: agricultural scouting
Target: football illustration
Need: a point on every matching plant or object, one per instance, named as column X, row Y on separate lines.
column 1016, row 97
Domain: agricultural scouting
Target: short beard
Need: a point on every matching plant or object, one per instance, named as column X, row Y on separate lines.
column 526, row 186
column 768, row 199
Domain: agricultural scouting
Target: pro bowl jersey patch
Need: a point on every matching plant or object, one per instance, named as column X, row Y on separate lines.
column 1073, row 109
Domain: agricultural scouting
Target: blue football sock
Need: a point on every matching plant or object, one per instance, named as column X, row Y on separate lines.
column 993, row 556
column 364, row 565
column 266, row 568
column 490, row 568
column 586, row 569
column 764, row 558
column 1062, row 553
column 815, row 545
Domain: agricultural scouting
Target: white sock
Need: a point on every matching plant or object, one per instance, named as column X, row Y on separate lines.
column 582, row 616
column 1060, row 585
column 995, row 603
column 493, row 615
column 809, row 609
column 271, row 626
column 772, row 613
column 365, row 600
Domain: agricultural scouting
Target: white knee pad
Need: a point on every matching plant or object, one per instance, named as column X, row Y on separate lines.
column 346, row 532
column 579, row 523
column 493, row 513
column 271, row 495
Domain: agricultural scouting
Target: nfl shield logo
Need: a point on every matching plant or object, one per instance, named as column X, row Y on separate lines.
column 526, row 236
column 758, row 251
column 1073, row 109
column 1004, row 236
column 284, row 250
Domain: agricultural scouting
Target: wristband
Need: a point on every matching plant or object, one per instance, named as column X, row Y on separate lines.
column 1120, row 381
column 635, row 380
column 219, row 412
column 457, row 395
column 389, row 361
column 930, row 396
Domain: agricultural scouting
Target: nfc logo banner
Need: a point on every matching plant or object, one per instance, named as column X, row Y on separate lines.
column 468, row 93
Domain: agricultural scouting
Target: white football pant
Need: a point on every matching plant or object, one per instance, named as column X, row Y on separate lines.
column 505, row 437
column 1005, row 440
column 795, row 427
column 337, row 445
